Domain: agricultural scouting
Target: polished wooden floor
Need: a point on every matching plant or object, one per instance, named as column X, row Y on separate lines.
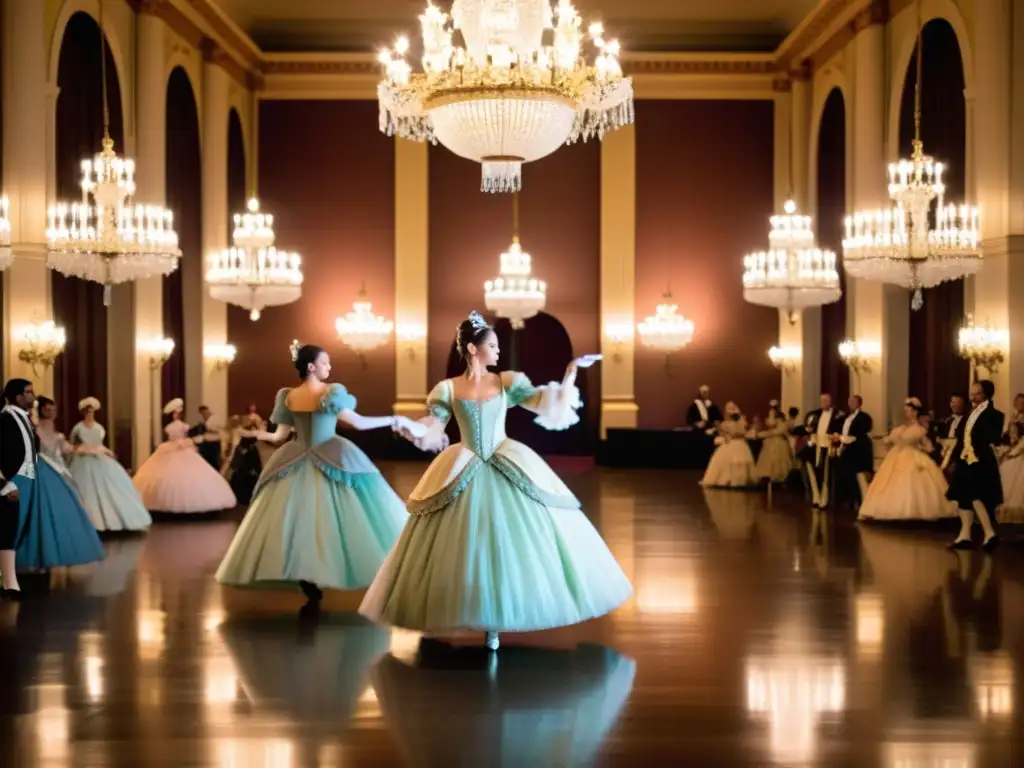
column 758, row 636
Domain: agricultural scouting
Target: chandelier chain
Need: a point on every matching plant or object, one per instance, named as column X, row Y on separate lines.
column 920, row 75
column 103, row 74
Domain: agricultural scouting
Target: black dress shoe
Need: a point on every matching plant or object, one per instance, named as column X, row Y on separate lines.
column 961, row 544
column 12, row 595
column 991, row 543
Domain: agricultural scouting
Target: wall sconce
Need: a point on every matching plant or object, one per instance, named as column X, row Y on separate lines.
column 785, row 358
column 221, row 355
column 40, row 344
column 984, row 347
column 411, row 336
column 158, row 351
column 617, row 335
column 858, row 355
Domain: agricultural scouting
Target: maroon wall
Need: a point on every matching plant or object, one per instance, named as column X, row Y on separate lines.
column 704, row 194
column 327, row 174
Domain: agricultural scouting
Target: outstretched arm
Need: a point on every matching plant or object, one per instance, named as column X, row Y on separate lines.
column 363, row 423
column 276, row 437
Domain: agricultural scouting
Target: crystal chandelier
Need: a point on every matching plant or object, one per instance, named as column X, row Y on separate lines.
column 40, row 344
column 6, row 253
column 514, row 294
column 254, row 274
column 921, row 240
column 360, row 329
column 112, row 238
column 506, row 97
column 793, row 274
column 984, row 347
column 666, row 330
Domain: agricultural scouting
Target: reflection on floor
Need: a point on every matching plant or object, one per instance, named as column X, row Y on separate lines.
column 757, row 636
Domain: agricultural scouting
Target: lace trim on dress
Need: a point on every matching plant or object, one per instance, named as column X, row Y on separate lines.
column 509, row 470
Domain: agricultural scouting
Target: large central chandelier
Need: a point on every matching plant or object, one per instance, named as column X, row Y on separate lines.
column 666, row 330
column 921, row 240
column 512, row 93
column 112, row 238
column 794, row 273
column 253, row 274
column 360, row 329
column 515, row 294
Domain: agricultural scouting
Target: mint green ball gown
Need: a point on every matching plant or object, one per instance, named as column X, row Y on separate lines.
column 321, row 512
column 495, row 541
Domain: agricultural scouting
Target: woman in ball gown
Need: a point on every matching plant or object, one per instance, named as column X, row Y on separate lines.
column 57, row 531
column 105, row 487
column 908, row 485
column 495, row 542
column 775, row 462
column 732, row 463
column 1011, row 466
column 176, row 478
column 322, row 515
column 244, row 464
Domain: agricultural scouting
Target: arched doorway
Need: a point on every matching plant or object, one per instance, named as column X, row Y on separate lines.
column 184, row 197
column 936, row 368
column 78, row 304
column 831, row 203
column 541, row 350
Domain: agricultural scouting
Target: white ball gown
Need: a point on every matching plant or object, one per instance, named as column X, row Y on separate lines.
column 732, row 463
column 1011, row 472
column 775, row 463
column 495, row 541
column 106, row 488
column 322, row 512
column 909, row 485
column 177, row 479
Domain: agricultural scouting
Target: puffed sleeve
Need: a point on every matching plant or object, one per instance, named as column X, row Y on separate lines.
column 439, row 402
column 281, row 414
column 554, row 404
column 75, row 437
column 337, row 399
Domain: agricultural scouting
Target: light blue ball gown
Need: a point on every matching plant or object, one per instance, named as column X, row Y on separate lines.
column 106, row 489
column 496, row 542
column 321, row 513
column 56, row 530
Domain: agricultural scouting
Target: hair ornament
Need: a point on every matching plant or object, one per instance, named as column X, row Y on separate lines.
column 88, row 402
column 294, row 348
column 477, row 321
column 913, row 401
column 177, row 404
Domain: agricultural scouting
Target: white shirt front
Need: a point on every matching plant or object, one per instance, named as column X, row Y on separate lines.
column 821, row 434
column 702, row 406
column 973, row 418
column 28, row 466
column 953, row 425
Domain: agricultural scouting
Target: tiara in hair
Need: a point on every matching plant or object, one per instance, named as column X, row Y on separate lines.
column 477, row 321
column 295, row 347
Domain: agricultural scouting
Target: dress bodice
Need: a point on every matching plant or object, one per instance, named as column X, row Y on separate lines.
column 908, row 436
column 94, row 435
column 312, row 428
column 734, row 429
column 176, row 430
column 52, row 443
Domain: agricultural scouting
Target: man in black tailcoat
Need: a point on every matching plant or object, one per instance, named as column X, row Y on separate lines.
column 949, row 432
column 207, row 437
column 855, row 448
column 817, row 454
column 19, row 447
column 976, row 486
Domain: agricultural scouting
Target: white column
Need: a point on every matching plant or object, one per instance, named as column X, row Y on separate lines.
column 618, row 279
column 27, row 296
column 880, row 312
column 412, row 250
column 800, row 386
column 151, row 176
column 213, row 315
column 996, row 288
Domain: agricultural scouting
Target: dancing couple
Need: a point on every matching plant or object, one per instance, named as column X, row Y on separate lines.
column 491, row 539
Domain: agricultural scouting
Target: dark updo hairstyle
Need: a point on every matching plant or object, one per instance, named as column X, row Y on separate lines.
column 988, row 389
column 473, row 330
column 41, row 402
column 304, row 356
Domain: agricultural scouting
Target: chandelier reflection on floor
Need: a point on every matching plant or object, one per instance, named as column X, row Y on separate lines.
column 666, row 330
column 360, row 329
column 515, row 294
column 506, row 98
column 6, row 253
column 794, row 273
column 253, row 274
column 111, row 238
column 921, row 241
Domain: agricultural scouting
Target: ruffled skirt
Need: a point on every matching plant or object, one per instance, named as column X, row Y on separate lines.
column 1011, row 472
column 177, row 479
column 908, row 486
column 326, row 516
column 775, row 462
column 731, row 466
column 495, row 545
column 55, row 530
column 107, row 492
